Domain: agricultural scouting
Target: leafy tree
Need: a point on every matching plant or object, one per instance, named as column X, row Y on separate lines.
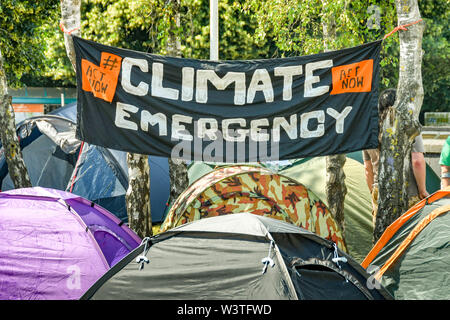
column 249, row 29
column 22, row 32
column 20, row 40
column 436, row 69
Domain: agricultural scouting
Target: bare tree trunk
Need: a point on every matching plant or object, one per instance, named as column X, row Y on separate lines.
column 16, row 166
column 138, row 195
column 71, row 22
column 178, row 173
column 336, row 188
column 401, row 125
column 334, row 164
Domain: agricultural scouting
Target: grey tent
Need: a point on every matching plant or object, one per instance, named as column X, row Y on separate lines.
column 238, row 256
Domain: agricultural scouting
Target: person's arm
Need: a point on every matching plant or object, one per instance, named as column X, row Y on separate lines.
column 369, row 173
column 419, row 169
column 445, row 181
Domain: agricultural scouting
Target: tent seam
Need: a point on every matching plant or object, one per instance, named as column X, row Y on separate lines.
column 86, row 228
column 411, row 236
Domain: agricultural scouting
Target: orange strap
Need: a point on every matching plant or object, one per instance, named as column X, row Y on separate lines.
column 61, row 26
column 401, row 27
column 412, row 235
column 397, row 224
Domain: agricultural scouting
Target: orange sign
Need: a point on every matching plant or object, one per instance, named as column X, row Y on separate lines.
column 22, row 107
column 101, row 80
column 355, row 77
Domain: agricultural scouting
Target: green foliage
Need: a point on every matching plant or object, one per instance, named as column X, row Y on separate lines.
column 148, row 25
column 296, row 27
column 248, row 29
column 435, row 66
column 22, row 33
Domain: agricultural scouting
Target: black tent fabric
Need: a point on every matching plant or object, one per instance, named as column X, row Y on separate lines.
column 239, row 256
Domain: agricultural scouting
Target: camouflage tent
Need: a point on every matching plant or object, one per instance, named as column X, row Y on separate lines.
column 311, row 173
column 258, row 190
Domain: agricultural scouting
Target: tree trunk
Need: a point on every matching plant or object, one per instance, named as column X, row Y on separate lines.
column 178, row 173
column 401, row 125
column 335, row 176
column 138, row 195
column 335, row 187
column 71, row 23
column 16, row 166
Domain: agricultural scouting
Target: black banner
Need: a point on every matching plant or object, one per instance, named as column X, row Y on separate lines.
column 228, row 111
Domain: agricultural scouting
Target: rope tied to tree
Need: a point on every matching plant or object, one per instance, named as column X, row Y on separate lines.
column 401, row 27
column 63, row 29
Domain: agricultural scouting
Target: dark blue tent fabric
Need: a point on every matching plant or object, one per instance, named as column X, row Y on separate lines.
column 99, row 174
column 107, row 184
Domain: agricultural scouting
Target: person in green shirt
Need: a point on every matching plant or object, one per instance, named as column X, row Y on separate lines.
column 444, row 161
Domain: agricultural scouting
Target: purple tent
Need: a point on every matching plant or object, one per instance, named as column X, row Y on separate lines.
column 55, row 245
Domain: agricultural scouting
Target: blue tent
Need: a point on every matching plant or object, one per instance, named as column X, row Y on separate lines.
column 56, row 159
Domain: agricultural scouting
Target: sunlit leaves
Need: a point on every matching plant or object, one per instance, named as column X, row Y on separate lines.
column 22, row 33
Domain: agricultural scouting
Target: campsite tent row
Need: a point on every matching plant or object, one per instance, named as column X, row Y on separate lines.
column 56, row 245
column 280, row 189
column 56, row 159
column 310, row 172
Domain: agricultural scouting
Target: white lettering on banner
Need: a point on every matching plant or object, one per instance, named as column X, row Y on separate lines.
column 288, row 73
column 157, row 88
column 157, row 118
column 196, row 81
column 187, row 85
column 226, row 131
column 179, row 131
column 339, row 117
column 260, row 82
column 239, row 137
column 203, row 76
column 256, row 132
column 127, row 64
column 290, row 128
column 310, row 79
column 122, row 110
column 233, row 129
column 305, row 117
column 210, row 132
